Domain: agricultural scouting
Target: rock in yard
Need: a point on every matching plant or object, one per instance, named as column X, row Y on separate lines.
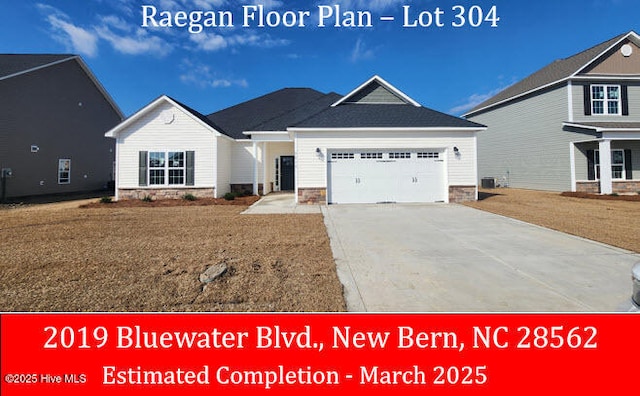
column 213, row 272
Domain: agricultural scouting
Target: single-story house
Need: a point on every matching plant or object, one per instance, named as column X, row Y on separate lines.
column 374, row 144
column 53, row 116
column 548, row 131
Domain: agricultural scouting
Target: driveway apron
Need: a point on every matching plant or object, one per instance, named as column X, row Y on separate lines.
column 451, row 258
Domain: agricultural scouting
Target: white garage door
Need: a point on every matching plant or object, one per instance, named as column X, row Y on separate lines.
column 375, row 176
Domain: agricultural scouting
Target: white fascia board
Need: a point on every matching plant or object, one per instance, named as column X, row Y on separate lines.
column 541, row 88
column 164, row 98
column 613, row 77
column 429, row 129
column 604, row 130
column 631, row 34
column 382, row 82
column 574, row 76
column 616, row 134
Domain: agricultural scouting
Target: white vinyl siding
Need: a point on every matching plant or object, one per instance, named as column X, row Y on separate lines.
column 311, row 167
column 153, row 133
column 242, row 162
column 525, row 145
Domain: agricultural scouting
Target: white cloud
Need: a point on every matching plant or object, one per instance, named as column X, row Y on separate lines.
column 209, row 41
column 202, row 76
column 140, row 42
column 75, row 38
column 370, row 5
column 360, row 52
column 474, row 100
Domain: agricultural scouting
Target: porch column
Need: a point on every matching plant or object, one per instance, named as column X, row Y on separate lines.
column 606, row 183
column 265, row 169
column 255, row 168
column 572, row 159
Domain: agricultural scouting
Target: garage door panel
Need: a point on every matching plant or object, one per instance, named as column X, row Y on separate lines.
column 373, row 176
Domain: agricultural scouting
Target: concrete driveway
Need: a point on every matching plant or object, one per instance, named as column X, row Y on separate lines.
column 451, row 258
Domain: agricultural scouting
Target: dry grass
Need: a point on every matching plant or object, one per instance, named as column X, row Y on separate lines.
column 614, row 222
column 63, row 258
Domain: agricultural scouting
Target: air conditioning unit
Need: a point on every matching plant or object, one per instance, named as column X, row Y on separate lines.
column 489, row 182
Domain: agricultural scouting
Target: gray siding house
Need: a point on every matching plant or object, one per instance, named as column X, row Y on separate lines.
column 53, row 116
column 547, row 132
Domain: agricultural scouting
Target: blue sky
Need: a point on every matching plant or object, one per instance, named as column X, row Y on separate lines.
column 445, row 68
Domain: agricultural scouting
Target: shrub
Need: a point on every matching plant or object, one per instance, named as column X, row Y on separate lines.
column 106, row 200
column 614, row 194
column 147, row 198
column 229, row 196
column 189, row 197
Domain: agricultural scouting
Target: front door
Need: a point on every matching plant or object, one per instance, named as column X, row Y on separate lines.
column 287, row 169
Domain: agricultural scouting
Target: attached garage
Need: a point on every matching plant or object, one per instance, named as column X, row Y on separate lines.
column 382, row 176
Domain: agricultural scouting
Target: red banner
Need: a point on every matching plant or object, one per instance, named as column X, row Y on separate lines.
column 203, row 354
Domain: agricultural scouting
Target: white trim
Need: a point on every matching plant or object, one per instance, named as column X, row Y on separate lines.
column 572, row 159
column 616, row 77
column 164, row 98
column 621, row 134
column 116, row 177
column 68, row 171
column 265, row 169
column 296, row 182
column 606, row 180
column 382, row 82
column 255, row 168
column 570, row 100
column 605, row 100
column 570, row 77
column 605, row 130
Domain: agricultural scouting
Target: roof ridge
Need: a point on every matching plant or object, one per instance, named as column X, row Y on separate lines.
column 292, row 110
column 259, row 97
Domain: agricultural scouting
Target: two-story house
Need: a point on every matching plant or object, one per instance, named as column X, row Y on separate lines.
column 548, row 131
column 53, row 115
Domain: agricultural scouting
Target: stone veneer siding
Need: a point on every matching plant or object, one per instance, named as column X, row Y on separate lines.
column 312, row 195
column 164, row 193
column 462, row 193
column 620, row 186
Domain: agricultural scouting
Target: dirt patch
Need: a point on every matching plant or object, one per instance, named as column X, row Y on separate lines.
column 166, row 203
column 612, row 221
column 150, row 259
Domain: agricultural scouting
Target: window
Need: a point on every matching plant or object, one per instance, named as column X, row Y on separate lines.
column 370, row 155
column 166, row 168
column 399, row 155
column 64, row 171
column 617, row 164
column 605, row 99
column 342, row 156
column 429, row 155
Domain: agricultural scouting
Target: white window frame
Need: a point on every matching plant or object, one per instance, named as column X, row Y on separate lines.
column 167, row 168
column 64, row 169
column 596, row 164
column 605, row 101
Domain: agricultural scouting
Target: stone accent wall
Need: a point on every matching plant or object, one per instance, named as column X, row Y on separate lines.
column 312, row 195
column 591, row 187
column 462, row 193
column 623, row 186
column 164, row 193
column 626, row 186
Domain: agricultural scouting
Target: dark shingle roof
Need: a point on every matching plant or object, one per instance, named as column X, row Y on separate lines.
column 281, row 123
column 15, row 63
column 248, row 115
column 384, row 116
column 556, row 71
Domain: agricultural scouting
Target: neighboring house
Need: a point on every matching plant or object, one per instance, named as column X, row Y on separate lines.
column 548, row 131
column 53, row 116
column 374, row 144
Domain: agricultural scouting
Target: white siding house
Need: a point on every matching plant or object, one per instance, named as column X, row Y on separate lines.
column 374, row 144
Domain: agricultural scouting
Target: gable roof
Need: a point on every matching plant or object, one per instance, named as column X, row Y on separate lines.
column 252, row 114
column 371, row 84
column 13, row 65
column 556, row 72
column 196, row 116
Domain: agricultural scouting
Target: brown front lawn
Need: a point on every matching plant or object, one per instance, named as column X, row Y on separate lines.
column 614, row 222
column 63, row 258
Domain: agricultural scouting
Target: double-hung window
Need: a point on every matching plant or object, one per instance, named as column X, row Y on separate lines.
column 166, row 168
column 606, row 99
column 617, row 164
column 64, row 171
